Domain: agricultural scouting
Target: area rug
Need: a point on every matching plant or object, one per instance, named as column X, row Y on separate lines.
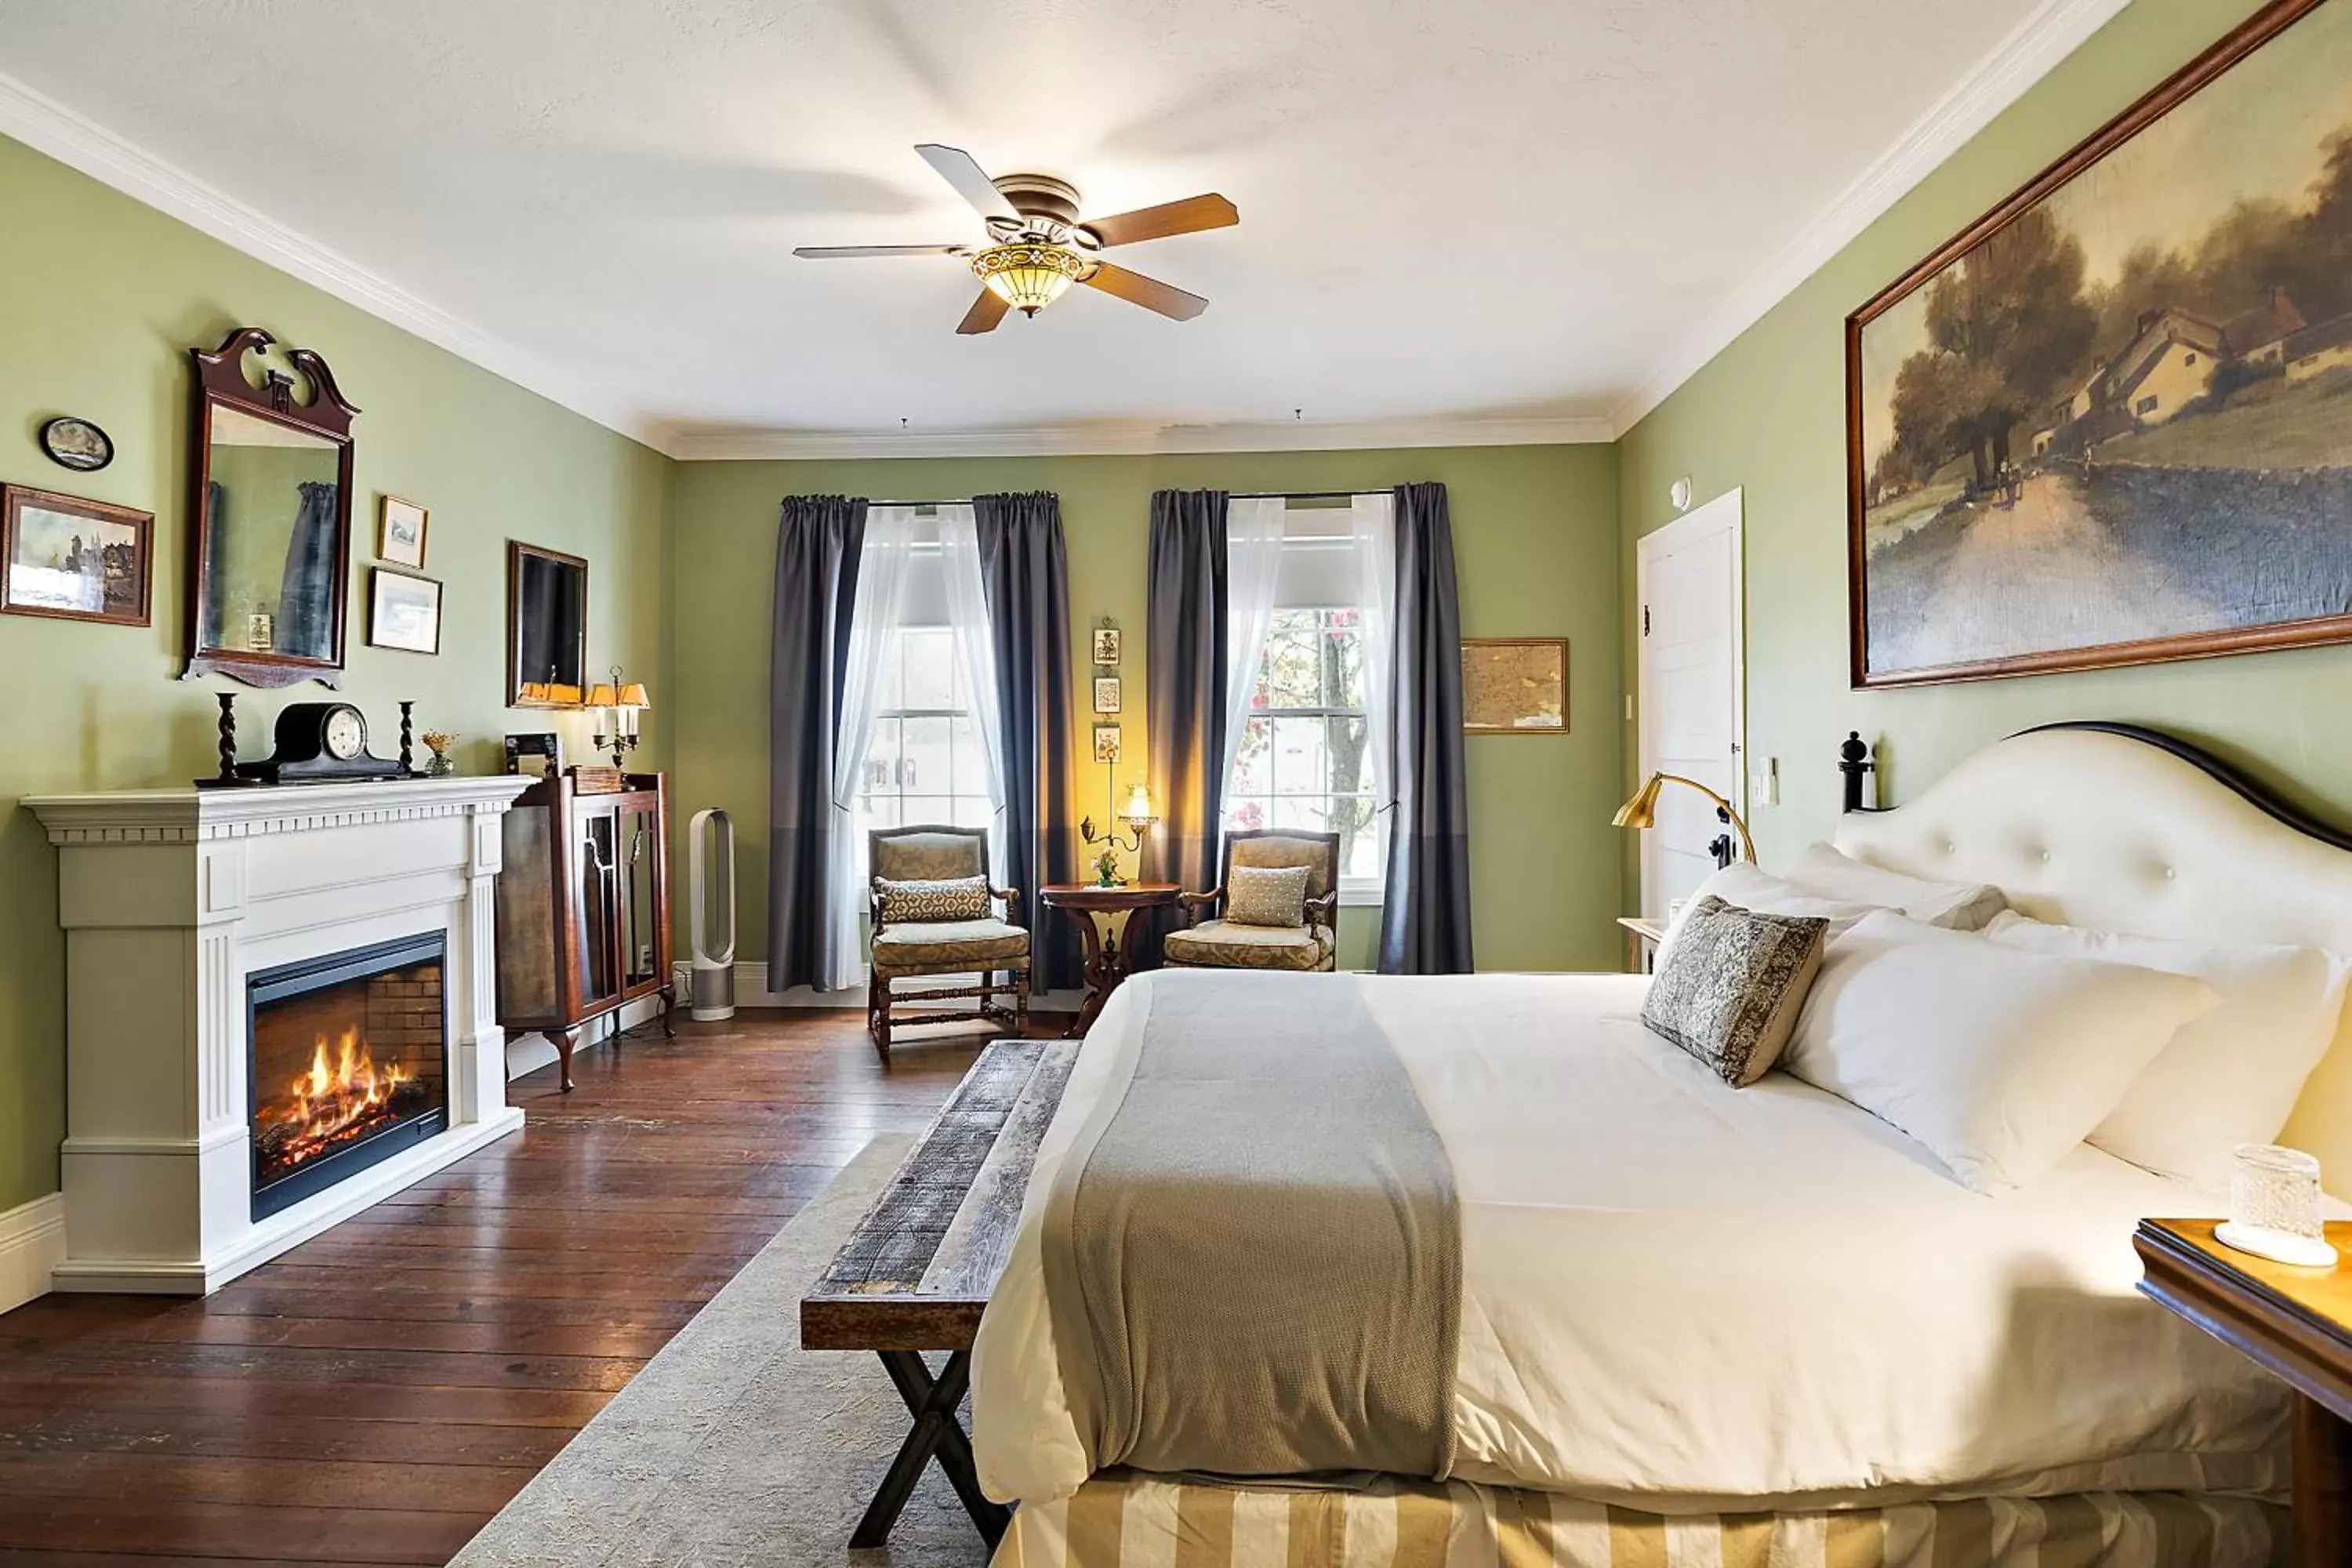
column 735, row 1445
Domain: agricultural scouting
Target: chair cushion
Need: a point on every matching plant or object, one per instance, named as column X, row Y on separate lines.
column 921, row 856
column 1221, row 944
column 900, row 950
column 1273, row 896
column 1280, row 849
column 935, row 899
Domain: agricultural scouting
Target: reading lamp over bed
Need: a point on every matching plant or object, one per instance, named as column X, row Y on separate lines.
column 1642, row 811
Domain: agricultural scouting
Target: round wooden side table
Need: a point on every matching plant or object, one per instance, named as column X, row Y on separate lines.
column 1105, row 917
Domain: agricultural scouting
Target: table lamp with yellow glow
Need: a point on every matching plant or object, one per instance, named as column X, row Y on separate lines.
column 1642, row 811
column 1139, row 818
column 618, row 702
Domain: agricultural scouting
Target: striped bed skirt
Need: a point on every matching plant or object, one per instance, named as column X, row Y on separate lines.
column 1119, row 1521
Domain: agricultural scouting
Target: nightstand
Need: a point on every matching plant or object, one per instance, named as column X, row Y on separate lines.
column 2297, row 1323
column 1642, row 939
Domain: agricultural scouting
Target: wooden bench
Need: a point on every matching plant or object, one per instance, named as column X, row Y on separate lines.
column 916, row 1274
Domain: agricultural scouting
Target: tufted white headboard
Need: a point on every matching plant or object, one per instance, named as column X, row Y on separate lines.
column 2129, row 831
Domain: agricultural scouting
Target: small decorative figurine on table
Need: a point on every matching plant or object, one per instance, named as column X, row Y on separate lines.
column 438, row 743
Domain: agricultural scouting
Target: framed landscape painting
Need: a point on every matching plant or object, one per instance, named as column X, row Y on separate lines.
column 2111, row 422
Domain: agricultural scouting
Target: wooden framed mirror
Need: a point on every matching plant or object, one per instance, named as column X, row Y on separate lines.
column 547, row 627
column 272, row 510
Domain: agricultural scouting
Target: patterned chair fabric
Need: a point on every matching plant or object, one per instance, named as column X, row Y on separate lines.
column 1221, row 944
column 997, row 950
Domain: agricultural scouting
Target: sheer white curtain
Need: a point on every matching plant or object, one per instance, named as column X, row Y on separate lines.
column 1373, row 522
column 975, row 648
column 882, row 572
column 1253, row 575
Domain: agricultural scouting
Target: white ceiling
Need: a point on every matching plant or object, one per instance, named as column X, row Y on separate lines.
column 1527, row 218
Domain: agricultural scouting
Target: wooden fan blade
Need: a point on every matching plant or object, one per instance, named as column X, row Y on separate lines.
column 985, row 312
column 840, row 252
column 1188, row 216
column 1149, row 293
column 961, row 170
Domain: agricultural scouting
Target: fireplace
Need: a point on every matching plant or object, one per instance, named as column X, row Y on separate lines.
column 350, row 1064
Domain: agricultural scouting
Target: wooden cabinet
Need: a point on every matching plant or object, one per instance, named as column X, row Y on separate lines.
column 584, row 906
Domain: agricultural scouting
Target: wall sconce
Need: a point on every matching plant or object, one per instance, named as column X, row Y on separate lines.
column 617, row 703
column 1138, row 822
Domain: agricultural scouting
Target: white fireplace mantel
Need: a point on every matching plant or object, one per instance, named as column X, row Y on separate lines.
column 169, row 898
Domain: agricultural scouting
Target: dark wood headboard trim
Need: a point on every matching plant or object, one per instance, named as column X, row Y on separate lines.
column 2253, row 792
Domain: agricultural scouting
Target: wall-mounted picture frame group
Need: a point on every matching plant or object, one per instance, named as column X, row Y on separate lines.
column 2110, row 422
column 71, row 559
column 1514, row 686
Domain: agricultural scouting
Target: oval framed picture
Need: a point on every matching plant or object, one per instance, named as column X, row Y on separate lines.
column 77, row 444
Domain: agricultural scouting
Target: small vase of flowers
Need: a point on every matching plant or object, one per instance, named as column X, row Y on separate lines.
column 1106, row 868
column 438, row 743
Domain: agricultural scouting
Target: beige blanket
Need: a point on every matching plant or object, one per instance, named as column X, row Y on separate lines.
column 1253, row 1256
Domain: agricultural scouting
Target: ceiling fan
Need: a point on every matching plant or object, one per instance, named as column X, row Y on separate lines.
column 1037, row 246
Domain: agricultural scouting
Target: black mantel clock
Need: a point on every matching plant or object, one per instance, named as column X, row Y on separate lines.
column 320, row 742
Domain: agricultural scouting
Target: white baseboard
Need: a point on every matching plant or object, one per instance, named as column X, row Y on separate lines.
column 752, row 991
column 32, row 1244
column 529, row 1052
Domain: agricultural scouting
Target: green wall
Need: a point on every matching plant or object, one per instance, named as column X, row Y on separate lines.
column 99, row 299
column 1536, row 548
column 1767, row 416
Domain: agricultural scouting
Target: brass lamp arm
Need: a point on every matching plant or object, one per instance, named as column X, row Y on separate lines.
column 1746, row 845
column 1639, row 811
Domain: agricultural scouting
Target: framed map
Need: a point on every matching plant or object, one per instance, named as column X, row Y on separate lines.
column 1514, row 686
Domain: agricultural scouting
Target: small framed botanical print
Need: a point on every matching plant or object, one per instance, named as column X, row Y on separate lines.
column 400, row 532
column 73, row 559
column 1106, row 647
column 1107, row 694
column 403, row 611
column 1106, row 743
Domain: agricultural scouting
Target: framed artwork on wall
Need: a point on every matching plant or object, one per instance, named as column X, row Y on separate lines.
column 1107, row 694
column 2110, row 422
column 75, row 560
column 1107, row 746
column 1514, row 686
column 400, row 532
column 403, row 611
column 1106, row 642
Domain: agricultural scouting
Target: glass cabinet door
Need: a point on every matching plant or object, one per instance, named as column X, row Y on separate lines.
column 599, row 871
column 640, row 905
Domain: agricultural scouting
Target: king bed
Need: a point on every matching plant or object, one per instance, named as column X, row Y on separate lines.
column 1480, row 1269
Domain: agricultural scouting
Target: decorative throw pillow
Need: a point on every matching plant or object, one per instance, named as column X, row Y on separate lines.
column 944, row 899
column 1267, row 896
column 1747, row 887
column 1729, row 991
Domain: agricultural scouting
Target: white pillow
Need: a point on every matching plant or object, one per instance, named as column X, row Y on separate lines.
column 1751, row 888
column 2232, row 1075
column 1827, row 872
column 1998, row 1059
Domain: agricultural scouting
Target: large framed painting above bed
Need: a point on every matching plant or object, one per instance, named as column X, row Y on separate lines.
column 2111, row 421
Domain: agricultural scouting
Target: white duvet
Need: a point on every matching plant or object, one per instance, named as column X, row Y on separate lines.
column 1691, row 1297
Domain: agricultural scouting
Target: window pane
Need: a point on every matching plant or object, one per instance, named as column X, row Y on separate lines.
column 972, row 811
column 882, row 757
column 1348, row 761
column 1301, row 757
column 930, row 666
column 1301, row 813
column 1343, row 660
column 927, row 767
column 929, row 808
column 891, row 684
column 1293, row 671
column 1249, row 815
column 1253, row 762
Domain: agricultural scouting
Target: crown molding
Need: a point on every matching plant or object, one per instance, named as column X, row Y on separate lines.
column 49, row 127
column 690, row 443
column 2028, row 53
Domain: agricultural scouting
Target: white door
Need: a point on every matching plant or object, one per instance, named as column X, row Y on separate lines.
column 1690, row 698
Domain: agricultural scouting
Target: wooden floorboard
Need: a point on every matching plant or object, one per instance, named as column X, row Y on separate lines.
column 375, row 1394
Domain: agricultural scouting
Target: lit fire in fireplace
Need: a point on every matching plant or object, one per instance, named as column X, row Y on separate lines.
column 343, row 1096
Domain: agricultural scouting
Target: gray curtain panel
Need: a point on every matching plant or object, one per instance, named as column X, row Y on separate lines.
column 1425, row 911
column 1184, row 644
column 1026, row 575
column 306, row 610
column 817, row 548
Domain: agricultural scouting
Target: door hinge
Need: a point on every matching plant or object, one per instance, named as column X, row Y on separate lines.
column 1645, row 620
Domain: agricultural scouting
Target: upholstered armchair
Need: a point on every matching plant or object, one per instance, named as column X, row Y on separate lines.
column 929, row 919
column 1225, row 943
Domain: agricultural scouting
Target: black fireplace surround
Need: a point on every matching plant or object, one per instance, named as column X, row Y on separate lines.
column 347, row 1064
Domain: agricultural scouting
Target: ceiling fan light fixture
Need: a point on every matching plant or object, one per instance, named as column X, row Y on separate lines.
column 1029, row 276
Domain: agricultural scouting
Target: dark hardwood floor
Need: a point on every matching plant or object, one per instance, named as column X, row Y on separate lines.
column 377, row 1393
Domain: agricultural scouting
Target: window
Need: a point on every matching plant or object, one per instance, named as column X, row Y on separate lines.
column 923, row 761
column 1305, row 759
column 2144, row 405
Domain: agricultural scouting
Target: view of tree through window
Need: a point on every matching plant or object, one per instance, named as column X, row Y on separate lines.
column 924, row 762
column 1304, row 761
